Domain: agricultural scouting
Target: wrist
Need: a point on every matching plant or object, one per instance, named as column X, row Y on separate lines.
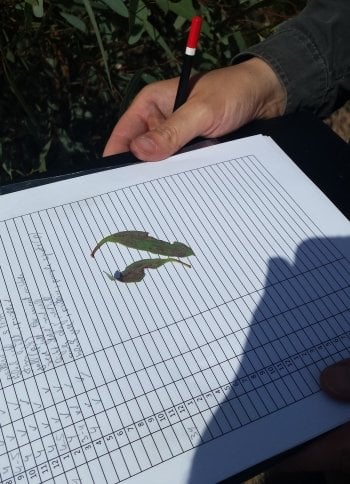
column 269, row 93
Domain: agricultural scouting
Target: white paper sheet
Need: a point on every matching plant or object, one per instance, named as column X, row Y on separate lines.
column 193, row 374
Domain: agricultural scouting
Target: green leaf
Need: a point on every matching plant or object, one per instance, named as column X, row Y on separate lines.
column 117, row 6
column 163, row 5
column 135, row 272
column 135, row 34
column 143, row 12
column 179, row 22
column 93, row 21
column 38, row 7
column 240, row 41
column 74, row 21
column 142, row 241
column 43, row 155
column 8, row 170
column 184, row 8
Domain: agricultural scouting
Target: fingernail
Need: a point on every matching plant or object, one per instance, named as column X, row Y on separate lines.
column 335, row 380
column 145, row 144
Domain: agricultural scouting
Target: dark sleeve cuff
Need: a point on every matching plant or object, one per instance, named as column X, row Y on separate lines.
column 299, row 66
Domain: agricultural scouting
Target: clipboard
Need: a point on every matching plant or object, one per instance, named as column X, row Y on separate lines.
column 35, row 224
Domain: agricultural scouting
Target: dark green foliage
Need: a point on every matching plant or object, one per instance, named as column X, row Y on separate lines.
column 69, row 69
column 135, row 239
column 135, row 272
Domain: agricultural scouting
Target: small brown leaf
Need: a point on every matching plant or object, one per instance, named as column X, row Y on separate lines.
column 135, row 272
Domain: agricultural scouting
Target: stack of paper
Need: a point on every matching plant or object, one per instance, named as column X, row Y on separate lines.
column 194, row 373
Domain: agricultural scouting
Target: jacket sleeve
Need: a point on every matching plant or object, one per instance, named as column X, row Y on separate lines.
column 311, row 56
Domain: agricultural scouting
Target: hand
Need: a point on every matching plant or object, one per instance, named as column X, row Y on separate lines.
column 332, row 451
column 219, row 102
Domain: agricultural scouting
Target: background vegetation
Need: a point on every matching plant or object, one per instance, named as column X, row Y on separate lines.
column 69, row 68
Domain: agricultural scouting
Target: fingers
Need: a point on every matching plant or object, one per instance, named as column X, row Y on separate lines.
column 149, row 109
column 335, row 380
column 169, row 136
column 131, row 125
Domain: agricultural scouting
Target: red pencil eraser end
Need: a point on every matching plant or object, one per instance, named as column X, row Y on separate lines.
column 195, row 30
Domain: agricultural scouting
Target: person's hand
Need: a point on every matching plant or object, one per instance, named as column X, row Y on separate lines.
column 332, row 451
column 219, row 102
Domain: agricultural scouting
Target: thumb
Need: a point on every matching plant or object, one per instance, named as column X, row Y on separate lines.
column 168, row 137
column 335, row 380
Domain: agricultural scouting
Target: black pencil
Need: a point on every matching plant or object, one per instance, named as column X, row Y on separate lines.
column 191, row 46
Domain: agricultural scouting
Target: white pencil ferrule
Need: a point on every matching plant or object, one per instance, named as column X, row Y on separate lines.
column 190, row 51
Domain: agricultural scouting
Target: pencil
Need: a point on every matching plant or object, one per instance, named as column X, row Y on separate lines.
column 191, row 46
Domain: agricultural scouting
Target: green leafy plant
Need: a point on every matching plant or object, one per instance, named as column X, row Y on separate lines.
column 69, row 69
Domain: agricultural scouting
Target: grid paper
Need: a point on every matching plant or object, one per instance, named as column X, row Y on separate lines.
column 101, row 381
